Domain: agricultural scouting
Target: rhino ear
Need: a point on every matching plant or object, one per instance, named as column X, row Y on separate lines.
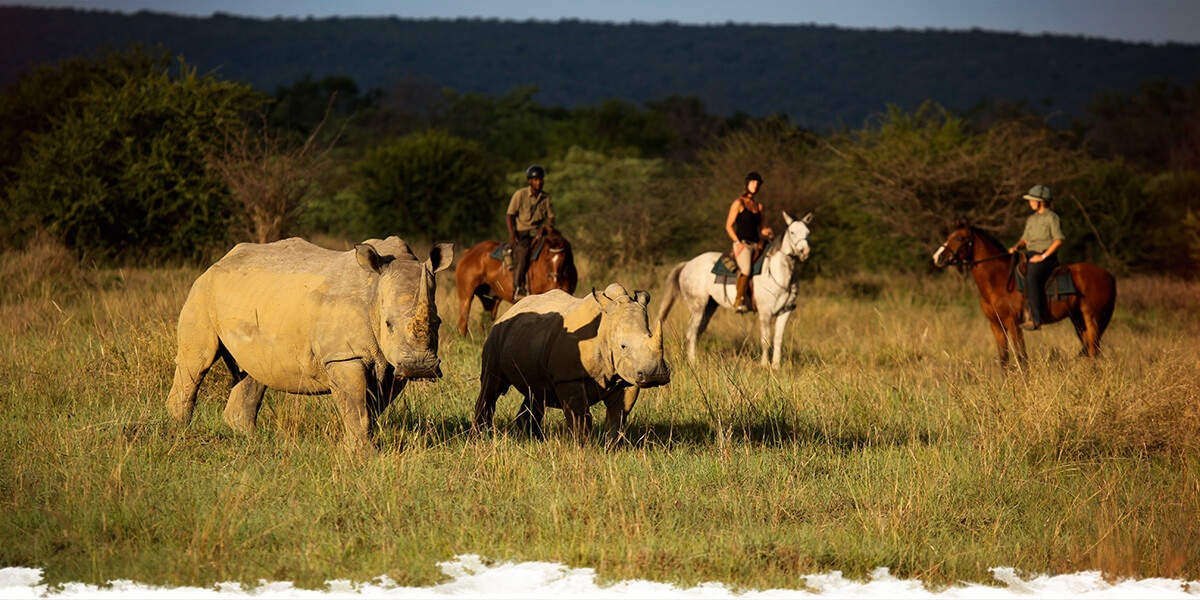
column 367, row 257
column 642, row 297
column 440, row 256
column 601, row 299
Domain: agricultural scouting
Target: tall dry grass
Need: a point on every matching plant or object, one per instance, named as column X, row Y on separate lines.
column 889, row 438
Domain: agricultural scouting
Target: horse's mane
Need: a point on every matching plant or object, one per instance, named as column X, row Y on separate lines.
column 554, row 238
column 987, row 237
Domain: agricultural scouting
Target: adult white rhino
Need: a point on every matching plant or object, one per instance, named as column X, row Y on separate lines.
column 570, row 353
column 299, row 318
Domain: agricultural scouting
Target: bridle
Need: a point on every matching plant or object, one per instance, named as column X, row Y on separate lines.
column 553, row 274
column 958, row 258
column 793, row 258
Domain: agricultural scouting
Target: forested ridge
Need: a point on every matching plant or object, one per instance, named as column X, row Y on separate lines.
column 816, row 75
column 149, row 139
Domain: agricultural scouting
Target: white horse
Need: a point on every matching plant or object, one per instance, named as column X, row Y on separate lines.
column 775, row 288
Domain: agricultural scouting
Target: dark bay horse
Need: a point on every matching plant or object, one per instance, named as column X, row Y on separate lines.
column 1090, row 308
column 480, row 275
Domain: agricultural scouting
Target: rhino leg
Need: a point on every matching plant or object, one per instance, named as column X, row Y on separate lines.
column 198, row 347
column 348, row 381
column 381, row 396
column 241, row 411
column 530, row 415
column 491, row 387
column 617, row 407
column 573, row 398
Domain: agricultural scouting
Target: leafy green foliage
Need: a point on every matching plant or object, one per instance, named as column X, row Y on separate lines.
column 123, row 176
column 432, row 185
column 622, row 193
column 914, row 173
column 49, row 92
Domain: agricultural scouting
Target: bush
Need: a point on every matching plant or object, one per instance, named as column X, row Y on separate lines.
column 124, row 177
column 432, row 185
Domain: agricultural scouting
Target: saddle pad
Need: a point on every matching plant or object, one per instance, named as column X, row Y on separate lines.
column 498, row 253
column 1059, row 285
column 727, row 267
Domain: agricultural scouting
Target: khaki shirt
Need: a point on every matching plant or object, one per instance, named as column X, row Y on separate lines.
column 1041, row 230
column 531, row 211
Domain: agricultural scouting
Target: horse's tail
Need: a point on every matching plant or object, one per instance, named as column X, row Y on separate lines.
column 671, row 292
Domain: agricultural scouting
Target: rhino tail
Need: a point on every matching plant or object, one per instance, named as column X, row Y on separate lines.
column 672, row 290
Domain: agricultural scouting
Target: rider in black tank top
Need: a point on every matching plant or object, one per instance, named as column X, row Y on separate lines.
column 745, row 226
column 748, row 225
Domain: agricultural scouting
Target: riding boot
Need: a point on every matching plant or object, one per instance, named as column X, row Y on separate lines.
column 743, row 281
column 1027, row 318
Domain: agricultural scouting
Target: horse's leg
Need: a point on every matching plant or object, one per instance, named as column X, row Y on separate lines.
column 464, row 310
column 780, row 323
column 697, row 324
column 1001, row 337
column 1088, row 331
column 764, row 336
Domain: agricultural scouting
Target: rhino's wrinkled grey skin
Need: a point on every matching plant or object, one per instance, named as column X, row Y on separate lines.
column 299, row 318
column 570, row 353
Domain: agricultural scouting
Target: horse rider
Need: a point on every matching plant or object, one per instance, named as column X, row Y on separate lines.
column 1041, row 240
column 745, row 226
column 529, row 210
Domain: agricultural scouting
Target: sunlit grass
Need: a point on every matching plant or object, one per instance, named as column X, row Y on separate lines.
column 890, row 437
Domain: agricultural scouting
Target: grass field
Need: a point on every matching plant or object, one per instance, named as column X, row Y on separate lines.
column 890, row 438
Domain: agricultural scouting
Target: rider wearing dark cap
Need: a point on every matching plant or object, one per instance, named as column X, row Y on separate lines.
column 528, row 210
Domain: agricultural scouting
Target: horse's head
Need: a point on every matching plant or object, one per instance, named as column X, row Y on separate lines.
column 558, row 260
column 795, row 238
column 957, row 248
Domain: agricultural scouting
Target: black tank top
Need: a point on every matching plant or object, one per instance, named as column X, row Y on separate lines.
column 747, row 225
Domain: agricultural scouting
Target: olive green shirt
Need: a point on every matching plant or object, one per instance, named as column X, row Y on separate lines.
column 1041, row 230
column 531, row 211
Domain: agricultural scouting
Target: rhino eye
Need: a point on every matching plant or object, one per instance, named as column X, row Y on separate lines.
column 390, row 326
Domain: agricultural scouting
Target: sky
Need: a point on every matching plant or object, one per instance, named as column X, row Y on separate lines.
column 469, row 577
column 1154, row 21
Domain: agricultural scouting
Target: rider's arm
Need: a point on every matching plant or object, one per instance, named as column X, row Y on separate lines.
column 512, row 228
column 1054, row 246
column 766, row 231
column 1019, row 245
column 733, row 212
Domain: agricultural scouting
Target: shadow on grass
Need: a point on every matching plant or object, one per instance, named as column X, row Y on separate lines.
column 767, row 430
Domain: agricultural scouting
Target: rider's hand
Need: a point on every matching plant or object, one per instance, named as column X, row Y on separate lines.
column 1036, row 258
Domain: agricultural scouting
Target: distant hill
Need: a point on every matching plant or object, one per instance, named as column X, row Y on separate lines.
column 818, row 76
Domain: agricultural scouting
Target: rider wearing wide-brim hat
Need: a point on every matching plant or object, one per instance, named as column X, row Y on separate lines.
column 1040, row 241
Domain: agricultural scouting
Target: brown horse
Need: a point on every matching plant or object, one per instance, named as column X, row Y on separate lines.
column 480, row 275
column 1090, row 308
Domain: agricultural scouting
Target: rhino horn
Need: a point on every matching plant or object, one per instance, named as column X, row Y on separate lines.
column 418, row 327
column 656, row 338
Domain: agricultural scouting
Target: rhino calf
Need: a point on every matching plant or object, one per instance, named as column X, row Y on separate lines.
column 570, row 353
column 302, row 319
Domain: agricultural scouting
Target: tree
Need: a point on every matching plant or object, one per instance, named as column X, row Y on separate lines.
column 267, row 178
column 432, row 185
column 611, row 208
column 48, row 92
column 913, row 173
column 123, row 176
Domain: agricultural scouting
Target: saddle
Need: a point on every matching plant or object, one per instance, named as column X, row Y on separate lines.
column 726, row 267
column 1059, row 285
column 535, row 249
